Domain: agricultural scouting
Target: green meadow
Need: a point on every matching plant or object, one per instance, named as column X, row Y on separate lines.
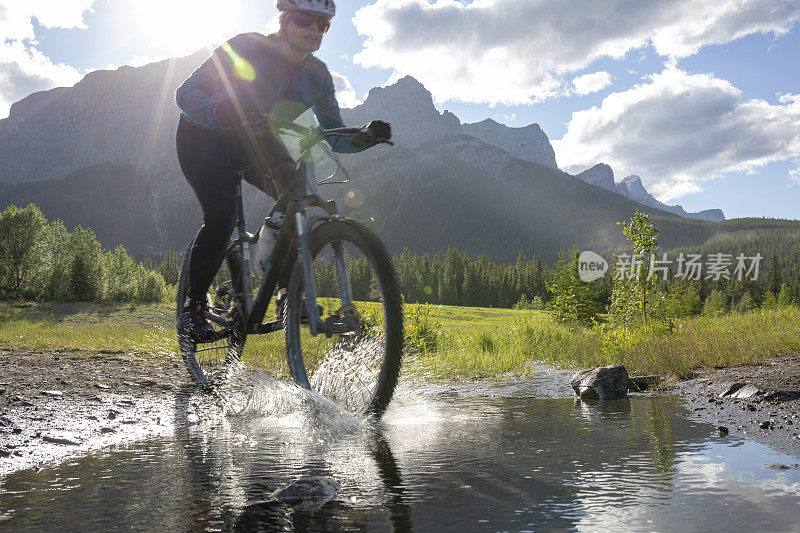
column 444, row 342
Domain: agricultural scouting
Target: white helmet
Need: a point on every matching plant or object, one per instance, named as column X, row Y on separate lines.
column 321, row 7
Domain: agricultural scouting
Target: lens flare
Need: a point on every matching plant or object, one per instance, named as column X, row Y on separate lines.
column 354, row 197
column 241, row 67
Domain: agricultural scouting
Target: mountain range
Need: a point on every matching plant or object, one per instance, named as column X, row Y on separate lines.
column 101, row 154
column 631, row 187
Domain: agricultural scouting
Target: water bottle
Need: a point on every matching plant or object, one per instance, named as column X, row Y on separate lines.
column 261, row 252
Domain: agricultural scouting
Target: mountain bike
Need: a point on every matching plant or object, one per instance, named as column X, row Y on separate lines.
column 337, row 296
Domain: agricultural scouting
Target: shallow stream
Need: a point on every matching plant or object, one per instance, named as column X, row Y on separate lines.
column 478, row 456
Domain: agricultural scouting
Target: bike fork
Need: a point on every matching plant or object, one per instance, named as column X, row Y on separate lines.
column 247, row 283
column 342, row 275
column 306, row 259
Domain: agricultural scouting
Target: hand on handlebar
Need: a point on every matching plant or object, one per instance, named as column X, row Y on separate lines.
column 376, row 132
column 379, row 129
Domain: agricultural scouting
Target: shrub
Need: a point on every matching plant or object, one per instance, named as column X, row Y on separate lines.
column 746, row 303
column 422, row 331
column 715, row 304
column 152, row 288
column 523, row 302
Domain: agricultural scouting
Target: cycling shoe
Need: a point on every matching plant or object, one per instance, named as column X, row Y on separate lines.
column 194, row 325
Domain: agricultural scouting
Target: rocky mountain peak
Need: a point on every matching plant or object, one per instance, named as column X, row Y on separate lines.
column 408, row 106
column 406, row 92
column 528, row 143
column 631, row 186
column 601, row 175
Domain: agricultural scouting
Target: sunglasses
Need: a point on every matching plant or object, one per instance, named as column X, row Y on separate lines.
column 305, row 21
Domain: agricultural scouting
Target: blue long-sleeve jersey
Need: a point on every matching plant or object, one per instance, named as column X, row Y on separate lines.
column 249, row 74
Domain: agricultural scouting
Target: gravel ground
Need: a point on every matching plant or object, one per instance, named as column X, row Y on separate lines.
column 58, row 404
column 769, row 414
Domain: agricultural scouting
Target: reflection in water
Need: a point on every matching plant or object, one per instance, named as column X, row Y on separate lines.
column 478, row 456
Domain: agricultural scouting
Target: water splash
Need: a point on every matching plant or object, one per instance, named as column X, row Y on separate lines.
column 256, row 398
column 348, row 374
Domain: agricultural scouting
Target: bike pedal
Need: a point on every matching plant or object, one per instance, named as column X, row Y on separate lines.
column 304, row 315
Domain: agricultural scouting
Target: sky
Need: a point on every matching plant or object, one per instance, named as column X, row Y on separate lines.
column 700, row 98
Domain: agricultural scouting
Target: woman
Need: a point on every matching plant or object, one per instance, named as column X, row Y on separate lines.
column 249, row 75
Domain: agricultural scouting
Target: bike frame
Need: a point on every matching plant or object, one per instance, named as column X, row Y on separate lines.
column 292, row 244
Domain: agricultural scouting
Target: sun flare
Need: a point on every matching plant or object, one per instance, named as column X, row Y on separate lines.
column 184, row 26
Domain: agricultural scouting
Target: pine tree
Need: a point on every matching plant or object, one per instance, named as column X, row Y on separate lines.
column 86, row 272
column 774, row 275
column 170, row 268
column 785, row 296
column 715, row 304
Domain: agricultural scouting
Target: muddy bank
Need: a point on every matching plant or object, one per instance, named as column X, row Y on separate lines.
column 54, row 405
column 770, row 414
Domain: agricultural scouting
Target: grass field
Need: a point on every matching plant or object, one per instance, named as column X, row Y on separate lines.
column 465, row 342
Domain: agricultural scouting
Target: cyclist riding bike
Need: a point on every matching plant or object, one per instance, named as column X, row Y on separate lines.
column 248, row 78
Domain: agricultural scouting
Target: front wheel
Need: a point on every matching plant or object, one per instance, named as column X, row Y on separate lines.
column 357, row 366
column 207, row 363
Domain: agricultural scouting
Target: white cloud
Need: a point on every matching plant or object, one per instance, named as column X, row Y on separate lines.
column 345, row 94
column 518, row 51
column 16, row 15
column 794, row 174
column 591, row 83
column 679, row 129
column 23, row 68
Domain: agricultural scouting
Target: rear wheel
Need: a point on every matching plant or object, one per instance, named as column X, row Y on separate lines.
column 358, row 366
column 207, row 362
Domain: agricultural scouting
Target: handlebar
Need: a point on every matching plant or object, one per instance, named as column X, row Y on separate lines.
column 332, row 133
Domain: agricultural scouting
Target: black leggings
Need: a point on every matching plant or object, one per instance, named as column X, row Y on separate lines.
column 209, row 160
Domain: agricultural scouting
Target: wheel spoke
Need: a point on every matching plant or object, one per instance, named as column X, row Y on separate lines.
column 347, row 368
column 206, row 362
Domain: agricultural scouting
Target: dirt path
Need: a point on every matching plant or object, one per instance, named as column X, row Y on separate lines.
column 57, row 404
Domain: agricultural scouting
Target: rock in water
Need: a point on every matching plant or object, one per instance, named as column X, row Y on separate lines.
column 748, row 391
column 313, row 490
column 732, row 389
column 604, row 383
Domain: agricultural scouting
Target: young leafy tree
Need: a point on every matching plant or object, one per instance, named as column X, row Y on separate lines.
column 746, row 303
column 692, row 304
column 56, row 278
column 21, row 248
column 574, row 301
column 150, row 286
column 119, row 275
column 634, row 296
